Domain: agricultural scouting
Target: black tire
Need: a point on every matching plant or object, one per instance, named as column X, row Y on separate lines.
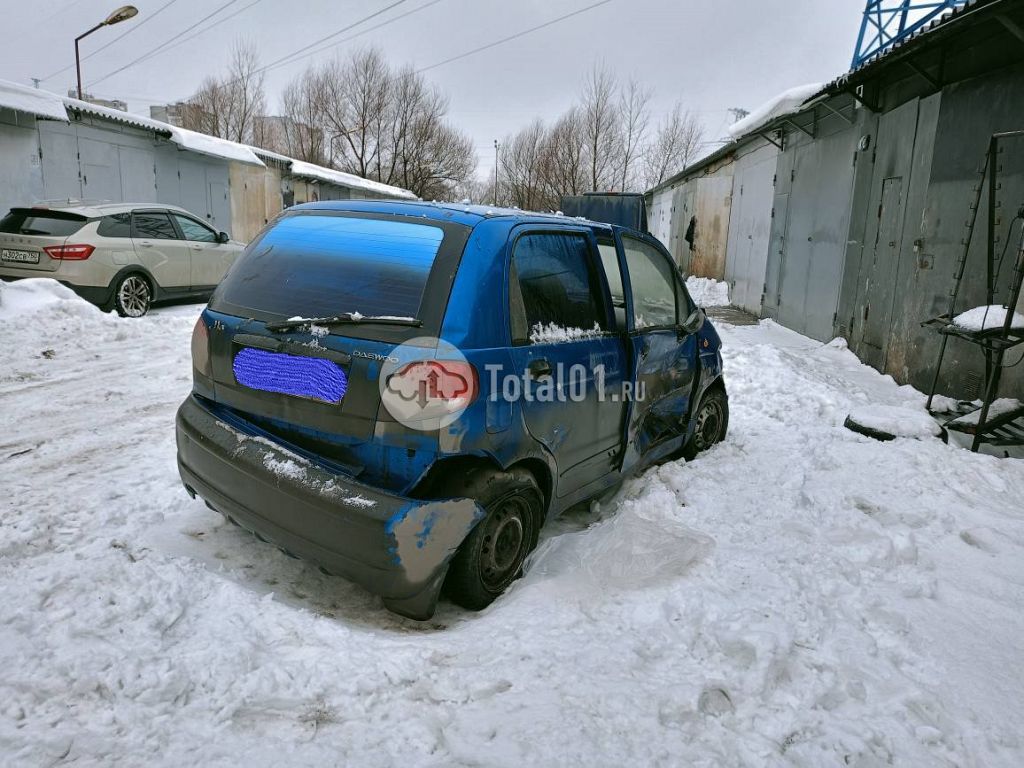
column 492, row 556
column 133, row 295
column 711, row 419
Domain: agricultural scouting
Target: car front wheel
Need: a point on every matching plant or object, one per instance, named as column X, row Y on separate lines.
column 492, row 556
column 132, row 296
column 711, row 421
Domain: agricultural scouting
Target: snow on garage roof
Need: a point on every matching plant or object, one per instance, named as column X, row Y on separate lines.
column 184, row 138
column 342, row 179
column 32, row 100
column 785, row 103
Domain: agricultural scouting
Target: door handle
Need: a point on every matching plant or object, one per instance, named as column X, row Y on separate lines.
column 145, row 243
column 539, row 368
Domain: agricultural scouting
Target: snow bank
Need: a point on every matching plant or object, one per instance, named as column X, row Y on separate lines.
column 796, row 596
column 896, row 421
column 987, row 318
column 23, row 300
column 785, row 103
column 707, row 292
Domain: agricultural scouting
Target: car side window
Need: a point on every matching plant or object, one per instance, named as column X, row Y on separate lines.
column 613, row 273
column 556, row 291
column 653, row 281
column 116, row 225
column 156, row 226
column 194, row 231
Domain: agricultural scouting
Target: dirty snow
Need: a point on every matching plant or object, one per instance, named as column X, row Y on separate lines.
column 999, row 407
column 785, row 103
column 800, row 595
column 987, row 318
column 706, row 292
column 897, row 420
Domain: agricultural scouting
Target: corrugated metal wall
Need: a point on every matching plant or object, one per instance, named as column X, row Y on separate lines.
column 810, row 226
column 21, row 175
column 750, row 223
column 921, row 185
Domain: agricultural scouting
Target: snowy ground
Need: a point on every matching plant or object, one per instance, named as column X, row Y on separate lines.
column 798, row 596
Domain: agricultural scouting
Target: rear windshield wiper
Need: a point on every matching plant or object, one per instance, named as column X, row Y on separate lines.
column 346, row 318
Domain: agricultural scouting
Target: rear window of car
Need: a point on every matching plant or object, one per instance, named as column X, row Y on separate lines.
column 45, row 223
column 313, row 265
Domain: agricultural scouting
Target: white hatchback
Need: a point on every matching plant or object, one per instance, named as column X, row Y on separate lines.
column 118, row 256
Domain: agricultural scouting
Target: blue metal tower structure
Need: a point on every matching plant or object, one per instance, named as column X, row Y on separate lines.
column 886, row 22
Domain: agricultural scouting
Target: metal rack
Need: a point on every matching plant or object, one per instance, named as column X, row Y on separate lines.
column 1001, row 426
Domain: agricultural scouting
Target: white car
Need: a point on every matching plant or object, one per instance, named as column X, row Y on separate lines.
column 119, row 256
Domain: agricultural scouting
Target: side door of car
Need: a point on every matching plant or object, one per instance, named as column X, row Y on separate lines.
column 566, row 354
column 664, row 353
column 209, row 259
column 159, row 248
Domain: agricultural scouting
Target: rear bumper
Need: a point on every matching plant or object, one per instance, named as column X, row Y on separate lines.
column 393, row 546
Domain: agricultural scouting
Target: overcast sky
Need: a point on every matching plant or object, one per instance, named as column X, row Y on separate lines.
column 712, row 54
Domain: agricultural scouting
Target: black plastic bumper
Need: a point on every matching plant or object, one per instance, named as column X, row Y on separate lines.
column 393, row 546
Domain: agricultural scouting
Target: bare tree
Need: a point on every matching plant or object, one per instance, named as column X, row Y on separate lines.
column 228, row 107
column 634, row 117
column 522, row 166
column 675, row 145
column 600, row 127
column 302, row 135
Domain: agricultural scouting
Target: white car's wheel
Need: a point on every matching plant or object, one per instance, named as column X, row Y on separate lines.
column 132, row 296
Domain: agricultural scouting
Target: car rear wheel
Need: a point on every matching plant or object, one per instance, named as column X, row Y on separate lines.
column 492, row 556
column 711, row 421
column 132, row 296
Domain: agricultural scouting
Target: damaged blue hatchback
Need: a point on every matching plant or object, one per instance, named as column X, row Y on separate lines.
column 402, row 393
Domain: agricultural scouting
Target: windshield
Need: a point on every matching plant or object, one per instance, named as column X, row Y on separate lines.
column 311, row 265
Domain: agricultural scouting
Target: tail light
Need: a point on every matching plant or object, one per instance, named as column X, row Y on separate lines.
column 70, row 252
column 434, row 388
column 201, row 349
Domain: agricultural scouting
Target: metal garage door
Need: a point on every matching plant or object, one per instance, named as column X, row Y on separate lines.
column 59, row 145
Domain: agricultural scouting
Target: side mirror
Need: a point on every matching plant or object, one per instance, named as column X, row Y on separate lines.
column 223, row 237
column 694, row 322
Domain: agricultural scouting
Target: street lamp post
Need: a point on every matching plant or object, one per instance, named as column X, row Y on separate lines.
column 123, row 13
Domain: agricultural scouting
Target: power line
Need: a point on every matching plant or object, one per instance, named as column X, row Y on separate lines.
column 384, row 23
column 124, row 34
column 513, row 37
column 164, row 45
column 200, row 32
column 315, row 43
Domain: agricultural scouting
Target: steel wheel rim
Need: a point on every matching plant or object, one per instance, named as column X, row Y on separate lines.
column 709, row 424
column 134, row 296
column 503, row 548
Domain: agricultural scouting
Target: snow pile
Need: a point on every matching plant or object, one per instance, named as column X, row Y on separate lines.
column 41, row 302
column 1000, row 407
column 987, row 318
column 796, row 596
column 707, row 292
column 896, row 420
column 785, row 103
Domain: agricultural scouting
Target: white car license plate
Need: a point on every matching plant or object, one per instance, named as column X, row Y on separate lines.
column 20, row 257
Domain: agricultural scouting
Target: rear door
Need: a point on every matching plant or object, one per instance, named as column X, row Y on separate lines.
column 209, row 259
column 664, row 356
column 567, row 352
column 26, row 232
column 159, row 248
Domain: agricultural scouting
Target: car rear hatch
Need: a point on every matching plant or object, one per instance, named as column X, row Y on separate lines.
column 33, row 239
column 314, row 385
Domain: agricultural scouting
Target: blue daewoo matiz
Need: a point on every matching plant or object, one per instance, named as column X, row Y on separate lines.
column 402, row 393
